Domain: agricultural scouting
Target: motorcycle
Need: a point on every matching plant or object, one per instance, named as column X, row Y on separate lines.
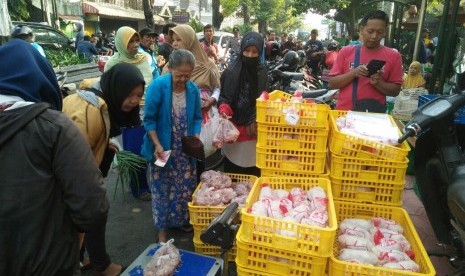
column 440, row 173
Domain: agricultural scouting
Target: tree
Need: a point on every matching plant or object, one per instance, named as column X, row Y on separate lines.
column 148, row 13
column 318, row 6
column 217, row 16
column 286, row 22
column 265, row 11
column 19, row 9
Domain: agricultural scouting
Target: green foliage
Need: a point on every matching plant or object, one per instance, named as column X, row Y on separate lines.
column 244, row 28
column 18, row 9
column 318, row 6
column 286, row 22
column 60, row 58
column 230, row 6
column 196, row 25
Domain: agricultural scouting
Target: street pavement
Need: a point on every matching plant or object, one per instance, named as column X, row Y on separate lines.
column 130, row 226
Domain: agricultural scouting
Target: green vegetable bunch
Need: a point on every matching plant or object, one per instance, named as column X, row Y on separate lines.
column 129, row 165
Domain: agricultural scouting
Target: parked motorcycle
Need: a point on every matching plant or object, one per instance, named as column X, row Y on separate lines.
column 440, row 173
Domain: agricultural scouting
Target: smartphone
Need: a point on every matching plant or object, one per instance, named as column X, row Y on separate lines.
column 374, row 66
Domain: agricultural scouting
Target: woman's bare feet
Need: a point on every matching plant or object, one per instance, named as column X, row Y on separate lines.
column 162, row 236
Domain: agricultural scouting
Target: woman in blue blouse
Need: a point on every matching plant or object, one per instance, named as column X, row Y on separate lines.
column 172, row 110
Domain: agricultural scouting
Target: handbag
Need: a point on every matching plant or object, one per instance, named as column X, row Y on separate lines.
column 193, row 147
column 364, row 105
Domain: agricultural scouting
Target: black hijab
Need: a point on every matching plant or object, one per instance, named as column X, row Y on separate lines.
column 116, row 84
column 25, row 73
column 243, row 81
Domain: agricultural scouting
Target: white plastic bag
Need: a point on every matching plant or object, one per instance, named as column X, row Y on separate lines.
column 207, row 133
column 225, row 133
column 165, row 261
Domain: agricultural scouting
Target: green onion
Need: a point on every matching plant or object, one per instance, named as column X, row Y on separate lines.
column 129, row 165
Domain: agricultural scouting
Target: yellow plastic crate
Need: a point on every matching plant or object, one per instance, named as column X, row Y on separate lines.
column 292, row 138
column 203, row 215
column 273, row 110
column 214, row 251
column 366, row 211
column 353, row 146
column 291, row 160
column 375, row 170
column 243, row 271
column 325, row 174
column 264, row 231
column 275, row 261
column 367, row 192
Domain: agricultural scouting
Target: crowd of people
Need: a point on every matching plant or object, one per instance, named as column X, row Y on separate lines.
column 62, row 143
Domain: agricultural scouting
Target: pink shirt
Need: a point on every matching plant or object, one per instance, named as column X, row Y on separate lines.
column 392, row 73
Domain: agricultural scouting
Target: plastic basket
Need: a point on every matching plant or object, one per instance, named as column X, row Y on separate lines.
column 243, row 271
column 382, row 171
column 264, row 231
column 214, row 251
column 353, row 146
column 325, row 174
column 276, row 261
column 367, row 211
column 367, row 191
column 203, row 215
column 273, row 111
column 293, row 138
column 291, row 160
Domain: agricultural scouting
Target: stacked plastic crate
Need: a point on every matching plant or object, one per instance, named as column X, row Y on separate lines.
column 202, row 216
column 367, row 180
column 292, row 136
column 270, row 246
column 364, row 170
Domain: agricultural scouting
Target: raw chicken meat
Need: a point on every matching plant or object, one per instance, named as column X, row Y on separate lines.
column 164, row 262
column 404, row 265
column 358, row 256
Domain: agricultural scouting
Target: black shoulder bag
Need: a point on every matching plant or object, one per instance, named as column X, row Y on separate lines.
column 364, row 105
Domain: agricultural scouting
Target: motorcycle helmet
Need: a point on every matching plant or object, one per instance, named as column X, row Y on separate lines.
column 302, row 58
column 290, row 61
column 272, row 50
column 21, row 32
column 333, row 46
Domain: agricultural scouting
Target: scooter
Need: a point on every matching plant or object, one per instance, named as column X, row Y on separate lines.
column 440, row 173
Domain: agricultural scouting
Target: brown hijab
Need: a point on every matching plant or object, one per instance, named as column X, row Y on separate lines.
column 205, row 74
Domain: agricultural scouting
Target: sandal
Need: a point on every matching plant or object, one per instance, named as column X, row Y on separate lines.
column 187, row 228
column 145, row 196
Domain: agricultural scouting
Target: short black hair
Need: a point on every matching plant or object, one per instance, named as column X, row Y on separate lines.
column 167, row 27
column 376, row 14
column 86, row 38
column 208, row 26
column 314, row 31
column 355, row 36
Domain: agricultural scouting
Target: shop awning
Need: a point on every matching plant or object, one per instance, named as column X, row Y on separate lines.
column 70, row 17
column 114, row 11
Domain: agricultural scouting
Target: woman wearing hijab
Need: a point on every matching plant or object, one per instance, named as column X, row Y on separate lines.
column 127, row 42
column 241, row 84
column 100, row 115
column 172, row 111
column 414, row 78
column 50, row 186
column 205, row 74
